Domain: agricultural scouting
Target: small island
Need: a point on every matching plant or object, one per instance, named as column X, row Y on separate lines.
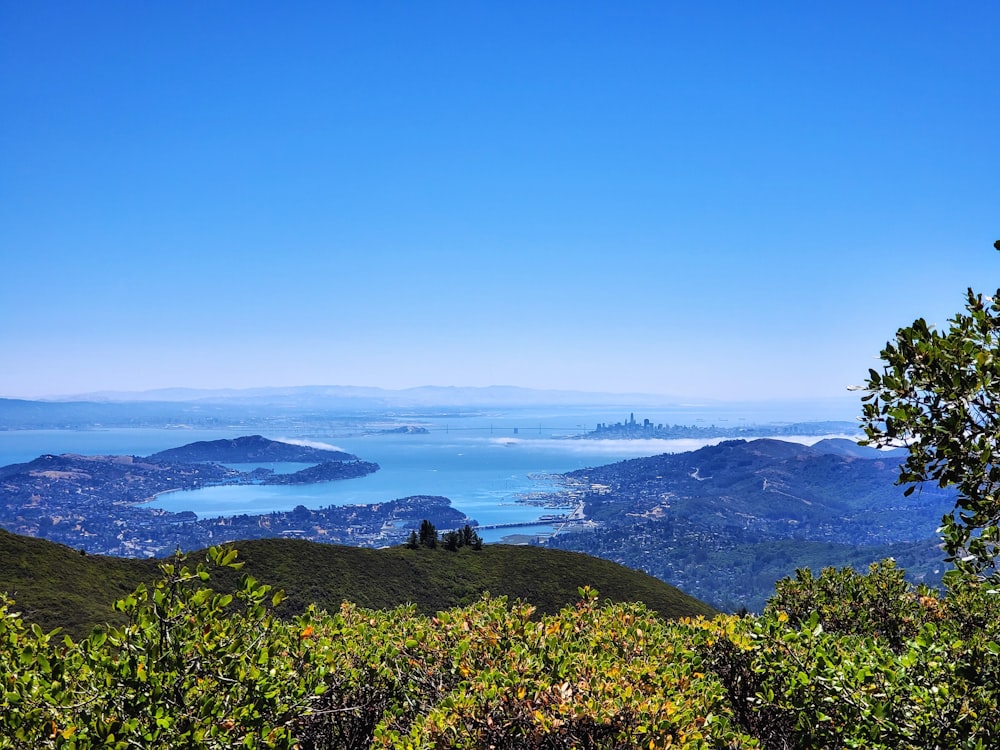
column 253, row 449
column 250, row 449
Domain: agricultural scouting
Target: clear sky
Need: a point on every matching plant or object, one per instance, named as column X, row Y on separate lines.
column 719, row 199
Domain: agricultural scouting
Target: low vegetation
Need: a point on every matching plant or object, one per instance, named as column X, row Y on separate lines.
column 839, row 660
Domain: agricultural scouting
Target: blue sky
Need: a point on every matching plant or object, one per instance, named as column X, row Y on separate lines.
column 727, row 200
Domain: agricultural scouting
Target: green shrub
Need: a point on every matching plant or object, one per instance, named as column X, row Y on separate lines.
column 838, row 660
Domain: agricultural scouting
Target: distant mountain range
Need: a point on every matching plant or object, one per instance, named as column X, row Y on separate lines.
column 298, row 406
column 424, row 397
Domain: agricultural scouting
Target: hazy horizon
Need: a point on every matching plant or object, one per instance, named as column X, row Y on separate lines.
column 503, row 395
column 178, row 393
column 726, row 201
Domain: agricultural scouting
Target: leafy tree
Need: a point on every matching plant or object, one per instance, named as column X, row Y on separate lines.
column 939, row 395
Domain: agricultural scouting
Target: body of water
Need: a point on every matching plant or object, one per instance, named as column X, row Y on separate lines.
column 484, row 464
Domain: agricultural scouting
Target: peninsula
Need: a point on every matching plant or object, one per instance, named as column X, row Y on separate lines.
column 100, row 503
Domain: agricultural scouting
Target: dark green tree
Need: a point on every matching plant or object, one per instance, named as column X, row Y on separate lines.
column 452, row 540
column 939, row 395
column 468, row 535
column 427, row 535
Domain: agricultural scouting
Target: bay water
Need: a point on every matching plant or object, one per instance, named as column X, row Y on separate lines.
column 485, row 464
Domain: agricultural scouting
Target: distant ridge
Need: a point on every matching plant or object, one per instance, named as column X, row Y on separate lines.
column 421, row 396
column 271, row 407
column 850, row 449
column 805, row 409
column 56, row 586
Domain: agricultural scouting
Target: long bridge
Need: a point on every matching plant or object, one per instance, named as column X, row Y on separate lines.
column 497, row 430
column 559, row 520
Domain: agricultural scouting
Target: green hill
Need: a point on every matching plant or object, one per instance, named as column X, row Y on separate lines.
column 56, row 586
column 725, row 522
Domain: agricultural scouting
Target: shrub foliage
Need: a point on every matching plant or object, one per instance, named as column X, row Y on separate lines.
column 837, row 660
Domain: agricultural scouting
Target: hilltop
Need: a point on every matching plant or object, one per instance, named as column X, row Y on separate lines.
column 726, row 521
column 249, row 449
column 56, row 586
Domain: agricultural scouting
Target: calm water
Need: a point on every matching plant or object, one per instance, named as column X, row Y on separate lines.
column 484, row 464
